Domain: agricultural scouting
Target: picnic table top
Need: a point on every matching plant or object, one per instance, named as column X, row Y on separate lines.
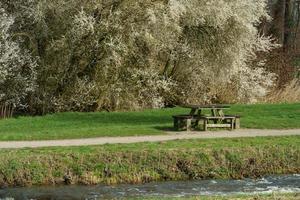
column 212, row 106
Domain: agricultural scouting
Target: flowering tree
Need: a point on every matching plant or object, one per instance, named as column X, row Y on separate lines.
column 17, row 67
column 141, row 53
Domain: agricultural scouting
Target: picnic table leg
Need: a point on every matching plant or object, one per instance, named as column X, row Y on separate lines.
column 220, row 112
column 237, row 123
column 198, row 119
column 232, row 124
column 188, row 124
column 176, row 124
column 199, row 112
column 193, row 111
column 205, row 124
column 214, row 114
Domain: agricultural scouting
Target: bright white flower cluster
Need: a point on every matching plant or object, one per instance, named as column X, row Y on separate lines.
column 17, row 68
column 83, row 24
column 226, row 47
column 149, row 86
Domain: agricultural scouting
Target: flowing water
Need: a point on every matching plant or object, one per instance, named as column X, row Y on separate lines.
column 285, row 183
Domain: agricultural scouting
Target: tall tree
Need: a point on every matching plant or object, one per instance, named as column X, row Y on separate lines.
column 278, row 25
column 288, row 24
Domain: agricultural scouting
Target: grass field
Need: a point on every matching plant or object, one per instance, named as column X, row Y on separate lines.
column 145, row 162
column 148, row 122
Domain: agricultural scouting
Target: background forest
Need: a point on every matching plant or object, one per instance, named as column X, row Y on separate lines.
column 68, row 55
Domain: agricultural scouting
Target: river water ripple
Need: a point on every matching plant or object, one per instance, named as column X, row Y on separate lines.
column 285, row 183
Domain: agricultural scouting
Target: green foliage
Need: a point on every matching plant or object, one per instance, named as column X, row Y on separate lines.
column 148, row 122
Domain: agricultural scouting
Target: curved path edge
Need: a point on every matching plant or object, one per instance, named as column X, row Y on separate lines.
column 155, row 138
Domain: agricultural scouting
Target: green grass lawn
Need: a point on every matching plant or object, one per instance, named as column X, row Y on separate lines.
column 219, row 144
column 148, row 122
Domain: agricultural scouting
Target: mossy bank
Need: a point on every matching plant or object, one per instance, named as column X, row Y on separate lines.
column 145, row 162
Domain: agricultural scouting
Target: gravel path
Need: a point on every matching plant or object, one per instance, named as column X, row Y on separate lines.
column 158, row 138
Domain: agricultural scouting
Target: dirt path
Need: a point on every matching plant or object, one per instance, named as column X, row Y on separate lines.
column 158, row 138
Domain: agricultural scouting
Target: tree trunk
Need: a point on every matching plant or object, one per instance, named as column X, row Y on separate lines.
column 6, row 111
column 288, row 23
column 278, row 26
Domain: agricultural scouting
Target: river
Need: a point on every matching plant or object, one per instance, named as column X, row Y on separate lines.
column 284, row 183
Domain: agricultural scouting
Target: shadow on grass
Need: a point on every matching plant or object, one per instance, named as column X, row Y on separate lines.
column 165, row 128
column 101, row 119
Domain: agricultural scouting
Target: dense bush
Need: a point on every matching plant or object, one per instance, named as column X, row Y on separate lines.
column 133, row 54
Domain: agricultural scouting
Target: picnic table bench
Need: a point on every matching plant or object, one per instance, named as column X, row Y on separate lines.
column 217, row 119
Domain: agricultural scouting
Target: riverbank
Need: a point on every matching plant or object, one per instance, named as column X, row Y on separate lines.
column 274, row 196
column 146, row 162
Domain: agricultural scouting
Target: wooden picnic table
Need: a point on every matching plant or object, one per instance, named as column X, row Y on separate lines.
column 216, row 109
column 217, row 119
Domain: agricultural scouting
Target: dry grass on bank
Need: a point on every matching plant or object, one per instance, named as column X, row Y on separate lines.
column 290, row 93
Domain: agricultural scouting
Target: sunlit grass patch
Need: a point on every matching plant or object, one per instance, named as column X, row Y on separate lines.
column 147, row 122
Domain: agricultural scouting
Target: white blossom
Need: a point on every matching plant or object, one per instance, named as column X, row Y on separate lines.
column 17, row 68
column 83, row 24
